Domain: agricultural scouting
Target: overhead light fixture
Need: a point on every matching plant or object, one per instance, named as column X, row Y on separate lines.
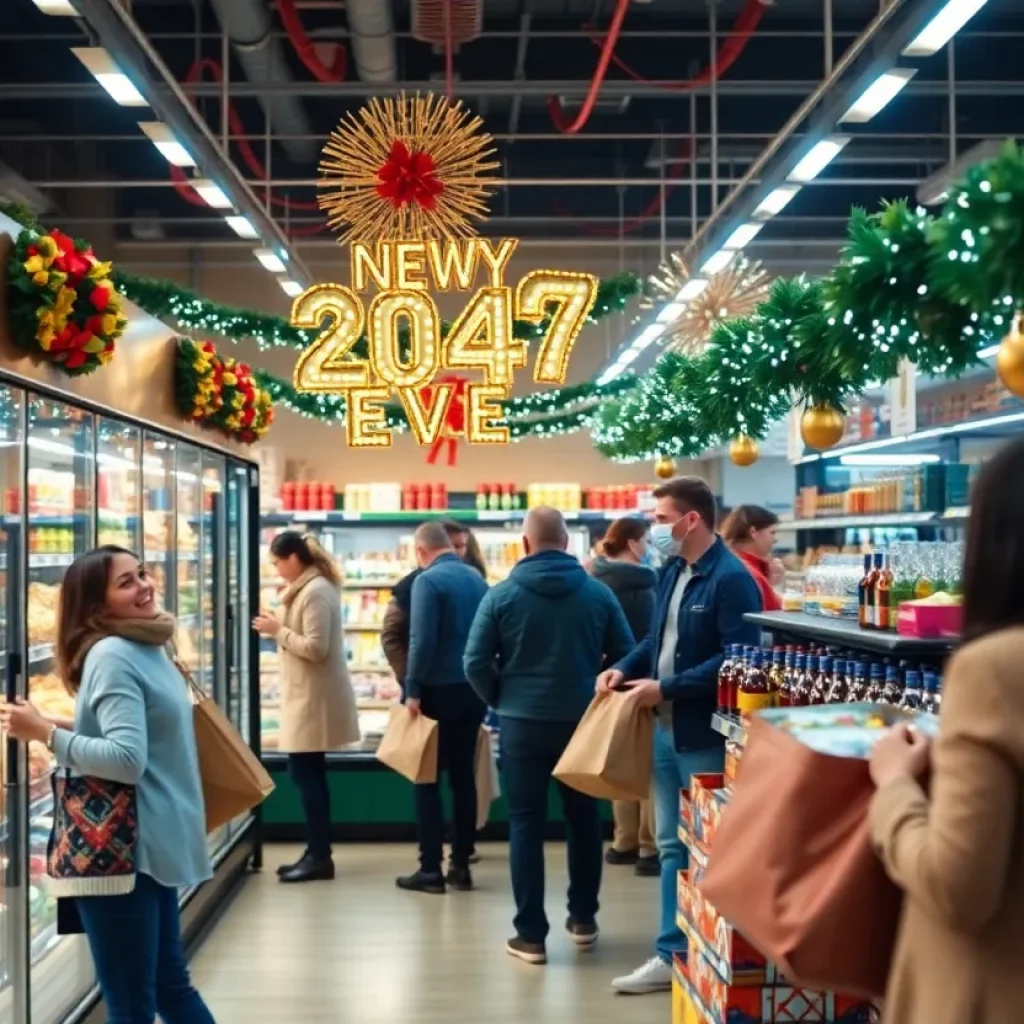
column 718, row 262
column 694, row 287
column 670, row 312
column 58, row 8
column 101, row 66
column 241, row 226
column 742, row 236
column 934, row 36
column 211, row 193
column 270, row 260
column 882, row 461
column 885, row 88
column 775, row 202
column 988, row 351
column 818, row 158
column 649, row 334
column 170, row 148
column 291, row 288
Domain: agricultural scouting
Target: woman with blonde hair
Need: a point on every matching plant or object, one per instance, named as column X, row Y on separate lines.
column 318, row 705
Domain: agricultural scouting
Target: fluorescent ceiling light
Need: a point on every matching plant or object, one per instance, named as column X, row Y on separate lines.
column 170, row 148
column 885, row 88
column 988, row 351
column 819, row 157
column 241, row 226
column 211, row 193
column 718, row 262
column 291, row 288
column 270, row 260
column 649, row 334
column 888, row 460
column 670, row 312
column 101, row 66
column 934, row 36
column 691, row 289
column 742, row 236
column 775, row 202
column 59, row 8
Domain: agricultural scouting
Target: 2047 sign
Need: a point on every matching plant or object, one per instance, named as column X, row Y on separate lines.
column 481, row 341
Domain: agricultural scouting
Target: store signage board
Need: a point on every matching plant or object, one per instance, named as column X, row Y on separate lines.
column 413, row 211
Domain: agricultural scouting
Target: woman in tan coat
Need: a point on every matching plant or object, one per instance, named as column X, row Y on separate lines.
column 956, row 847
column 318, row 706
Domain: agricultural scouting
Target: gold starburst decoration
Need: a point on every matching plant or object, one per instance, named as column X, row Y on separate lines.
column 407, row 167
column 735, row 291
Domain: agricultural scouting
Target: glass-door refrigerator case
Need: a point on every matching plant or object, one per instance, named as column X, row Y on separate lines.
column 71, row 479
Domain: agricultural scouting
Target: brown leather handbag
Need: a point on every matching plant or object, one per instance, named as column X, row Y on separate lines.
column 793, row 870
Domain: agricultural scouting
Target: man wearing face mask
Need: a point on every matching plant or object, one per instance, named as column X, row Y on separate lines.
column 704, row 591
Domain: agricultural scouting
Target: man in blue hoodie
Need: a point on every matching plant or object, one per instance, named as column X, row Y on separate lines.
column 445, row 598
column 538, row 641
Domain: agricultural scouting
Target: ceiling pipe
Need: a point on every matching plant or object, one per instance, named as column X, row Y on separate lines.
column 372, row 40
column 248, row 24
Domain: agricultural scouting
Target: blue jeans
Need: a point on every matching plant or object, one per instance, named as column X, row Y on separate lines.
column 530, row 749
column 672, row 771
column 135, row 942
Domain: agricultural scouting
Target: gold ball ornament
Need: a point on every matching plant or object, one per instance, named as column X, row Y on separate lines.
column 664, row 467
column 822, row 426
column 743, row 450
column 1010, row 358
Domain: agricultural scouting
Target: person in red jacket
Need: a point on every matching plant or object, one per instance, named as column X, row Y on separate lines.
column 750, row 531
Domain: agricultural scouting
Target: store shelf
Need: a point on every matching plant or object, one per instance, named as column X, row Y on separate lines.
column 39, row 653
column 405, row 517
column 850, row 522
column 40, row 560
column 731, row 728
column 849, row 634
column 959, row 512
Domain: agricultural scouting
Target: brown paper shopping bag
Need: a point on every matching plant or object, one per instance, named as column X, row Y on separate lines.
column 234, row 780
column 409, row 745
column 792, row 868
column 488, row 789
column 610, row 753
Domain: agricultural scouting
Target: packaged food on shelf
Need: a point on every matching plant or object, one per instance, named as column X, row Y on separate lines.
column 308, row 495
column 564, row 497
column 42, row 612
column 503, row 497
column 382, row 497
column 424, row 496
column 935, row 616
column 708, row 796
column 615, row 497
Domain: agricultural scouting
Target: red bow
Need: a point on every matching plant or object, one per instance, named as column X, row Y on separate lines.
column 455, row 418
column 408, row 177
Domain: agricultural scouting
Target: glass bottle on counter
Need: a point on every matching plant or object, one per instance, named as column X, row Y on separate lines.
column 876, row 684
column 885, row 613
column 798, row 684
column 931, row 701
column 892, row 691
column 818, row 680
column 784, row 695
column 865, row 589
column 724, row 703
column 838, row 686
column 912, row 695
column 857, row 691
column 776, row 675
column 754, row 692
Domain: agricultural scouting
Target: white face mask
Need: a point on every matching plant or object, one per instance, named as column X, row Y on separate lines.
column 666, row 545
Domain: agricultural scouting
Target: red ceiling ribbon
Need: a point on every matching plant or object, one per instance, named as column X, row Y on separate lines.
column 408, row 177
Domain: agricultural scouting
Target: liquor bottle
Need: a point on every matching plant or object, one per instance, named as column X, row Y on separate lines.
column 839, row 685
column 930, row 701
column 885, row 612
column 725, row 681
column 776, row 675
column 911, row 700
column 876, row 684
column 754, row 694
column 858, row 688
column 784, row 695
column 818, row 685
column 798, row 684
column 789, row 668
column 892, row 692
column 865, row 595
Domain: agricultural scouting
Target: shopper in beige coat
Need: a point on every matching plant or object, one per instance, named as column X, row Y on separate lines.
column 956, row 847
column 318, row 706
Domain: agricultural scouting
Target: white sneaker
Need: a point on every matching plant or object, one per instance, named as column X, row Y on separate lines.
column 653, row 976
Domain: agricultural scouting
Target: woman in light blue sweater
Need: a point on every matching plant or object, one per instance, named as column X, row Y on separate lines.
column 133, row 724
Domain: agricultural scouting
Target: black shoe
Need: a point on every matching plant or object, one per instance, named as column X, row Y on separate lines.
column 648, row 867
column 620, row 857
column 583, row 933
column 310, row 870
column 283, row 869
column 422, row 881
column 529, row 952
column 474, row 858
column 460, row 879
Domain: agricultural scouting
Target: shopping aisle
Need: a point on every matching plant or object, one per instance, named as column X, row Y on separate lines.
column 359, row 951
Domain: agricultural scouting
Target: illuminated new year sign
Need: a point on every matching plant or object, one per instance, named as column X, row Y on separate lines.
column 407, row 363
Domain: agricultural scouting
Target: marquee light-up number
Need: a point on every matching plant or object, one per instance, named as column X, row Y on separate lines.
column 323, row 366
column 574, row 295
column 427, row 410
column 481, row 338
column 424, row 357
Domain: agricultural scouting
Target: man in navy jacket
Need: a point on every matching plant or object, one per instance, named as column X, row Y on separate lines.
column 704, row 591
column 445, row 597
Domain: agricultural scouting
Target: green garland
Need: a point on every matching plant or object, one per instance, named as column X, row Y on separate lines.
column 932, row 290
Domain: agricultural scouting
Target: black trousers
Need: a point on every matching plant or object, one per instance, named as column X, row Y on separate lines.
column 459, row 714
column 309, row 773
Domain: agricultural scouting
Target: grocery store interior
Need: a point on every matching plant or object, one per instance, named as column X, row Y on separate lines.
column 802, row 221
